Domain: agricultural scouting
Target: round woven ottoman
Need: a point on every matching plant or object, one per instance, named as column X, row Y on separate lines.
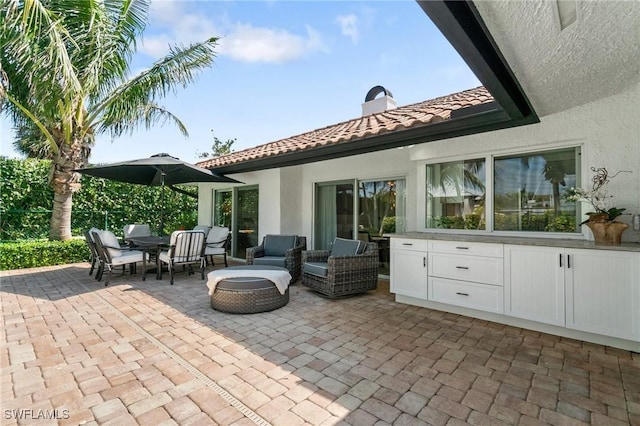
column 248, row 295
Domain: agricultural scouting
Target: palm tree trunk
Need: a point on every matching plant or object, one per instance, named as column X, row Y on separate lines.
column 65, row 182
column 60, row 228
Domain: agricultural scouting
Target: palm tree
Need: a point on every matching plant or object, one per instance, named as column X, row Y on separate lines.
column 65, row 77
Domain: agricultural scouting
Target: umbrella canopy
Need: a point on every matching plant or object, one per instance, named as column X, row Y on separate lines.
column 157, row 170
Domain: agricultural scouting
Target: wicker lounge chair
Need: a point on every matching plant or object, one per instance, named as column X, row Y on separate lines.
column 350, row 267
column 284, row 251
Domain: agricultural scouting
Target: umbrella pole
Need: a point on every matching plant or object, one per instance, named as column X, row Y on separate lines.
column 162, row 207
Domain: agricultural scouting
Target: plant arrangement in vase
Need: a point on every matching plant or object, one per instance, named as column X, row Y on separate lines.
column 601, row 221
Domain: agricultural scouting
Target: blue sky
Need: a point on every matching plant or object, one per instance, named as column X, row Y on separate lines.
column 284, row 68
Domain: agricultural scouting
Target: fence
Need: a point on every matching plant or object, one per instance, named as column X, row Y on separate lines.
column 35, row 224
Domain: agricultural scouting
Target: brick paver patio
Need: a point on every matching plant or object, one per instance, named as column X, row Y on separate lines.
column 151, row 353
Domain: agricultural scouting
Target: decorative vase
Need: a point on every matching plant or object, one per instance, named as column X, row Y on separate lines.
column 608, row 233
column 598, row 217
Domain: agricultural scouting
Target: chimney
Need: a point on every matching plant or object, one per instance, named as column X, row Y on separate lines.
column 372, row 105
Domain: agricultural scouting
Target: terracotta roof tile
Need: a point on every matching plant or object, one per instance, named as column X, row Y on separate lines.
column 405, row 117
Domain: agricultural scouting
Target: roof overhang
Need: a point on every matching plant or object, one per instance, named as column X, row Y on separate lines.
column 463, row 27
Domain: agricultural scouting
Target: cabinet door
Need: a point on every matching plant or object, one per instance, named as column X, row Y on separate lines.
column 534, row 283
column 603, row 292
column 409, row 273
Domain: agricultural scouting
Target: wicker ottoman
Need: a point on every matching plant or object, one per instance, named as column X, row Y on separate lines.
column 248, row 295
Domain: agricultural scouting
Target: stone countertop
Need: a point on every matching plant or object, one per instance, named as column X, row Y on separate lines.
column 498, row 239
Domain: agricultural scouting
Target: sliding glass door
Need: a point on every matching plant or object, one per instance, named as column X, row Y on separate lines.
column 237, row 209
column 380, row 207
column 333, row 213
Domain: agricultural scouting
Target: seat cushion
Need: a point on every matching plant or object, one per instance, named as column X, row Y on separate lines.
column 316, row 268
column 277, row 245
column 128, row 256
column 111, row 243
column 270, row 260
column 203, row 228
column 343, row 247
column 210, row 251
column 217, row 236
column 137, row 230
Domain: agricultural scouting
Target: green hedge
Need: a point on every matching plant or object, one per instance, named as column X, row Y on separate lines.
column 26, row 200
column 33, row 254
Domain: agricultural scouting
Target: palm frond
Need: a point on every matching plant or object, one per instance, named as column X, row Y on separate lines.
column 34, row 37
column 179, row 68
column 149, row 115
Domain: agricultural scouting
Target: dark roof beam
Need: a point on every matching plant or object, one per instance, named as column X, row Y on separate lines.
column 460, row 22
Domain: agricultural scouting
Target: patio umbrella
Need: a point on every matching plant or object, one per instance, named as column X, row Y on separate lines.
column 157, row 170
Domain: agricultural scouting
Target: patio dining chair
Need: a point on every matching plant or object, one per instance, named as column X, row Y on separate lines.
column 187, row 249
column 136, row 230
column 111, row 254
column 91, row 244
column 203, row 228
column 217, row 243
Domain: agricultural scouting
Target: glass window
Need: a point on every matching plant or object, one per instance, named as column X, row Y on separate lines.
column 222, row 208
column 456, row 195
column 381, row 207
column 530, row 189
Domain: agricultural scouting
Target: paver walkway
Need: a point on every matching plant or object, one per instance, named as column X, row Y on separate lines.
column 151, row 353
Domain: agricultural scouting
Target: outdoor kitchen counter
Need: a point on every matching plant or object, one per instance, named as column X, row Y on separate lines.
column 543, row 242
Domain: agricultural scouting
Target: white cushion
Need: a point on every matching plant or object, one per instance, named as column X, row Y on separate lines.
column 127, row 256
column 203, row 228
column 210, row 251
column 92, row 230
column 217, row 236
column 111, row 243
column 137, row 230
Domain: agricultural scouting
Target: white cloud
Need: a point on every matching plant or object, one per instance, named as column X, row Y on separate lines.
column 240, row 41
column 247, row 43
column 349, row 26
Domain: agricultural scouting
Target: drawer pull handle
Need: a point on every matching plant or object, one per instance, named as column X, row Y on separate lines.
column 462, row 294
column 462, row 267
column 462, row 248
column 407, row 244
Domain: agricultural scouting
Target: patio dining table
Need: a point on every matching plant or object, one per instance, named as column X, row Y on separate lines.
column 152, row 245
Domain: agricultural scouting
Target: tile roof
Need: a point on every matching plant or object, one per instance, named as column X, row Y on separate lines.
column 402, row 118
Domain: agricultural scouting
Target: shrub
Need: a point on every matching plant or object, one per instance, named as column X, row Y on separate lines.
column 31, row 254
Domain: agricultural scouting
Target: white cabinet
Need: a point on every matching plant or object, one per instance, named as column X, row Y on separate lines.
column 534, row 283
column 603, row 292
column 596, row 291
column 466, row 274
column 578, row 293
column 466, row 294
column 409, row 268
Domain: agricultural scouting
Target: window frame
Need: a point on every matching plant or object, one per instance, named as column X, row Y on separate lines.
column 490, row 157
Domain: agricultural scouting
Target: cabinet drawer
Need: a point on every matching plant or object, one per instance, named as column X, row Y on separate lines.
column 463, row 247
column 469, row 295
column 485, row 270
column 409, row 244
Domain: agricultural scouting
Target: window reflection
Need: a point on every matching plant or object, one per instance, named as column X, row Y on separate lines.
column 530, row 189
column 456, row 195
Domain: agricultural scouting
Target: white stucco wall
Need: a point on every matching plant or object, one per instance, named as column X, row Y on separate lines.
column 608, row 129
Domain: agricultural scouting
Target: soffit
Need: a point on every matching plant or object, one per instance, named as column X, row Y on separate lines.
column 593, row 58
